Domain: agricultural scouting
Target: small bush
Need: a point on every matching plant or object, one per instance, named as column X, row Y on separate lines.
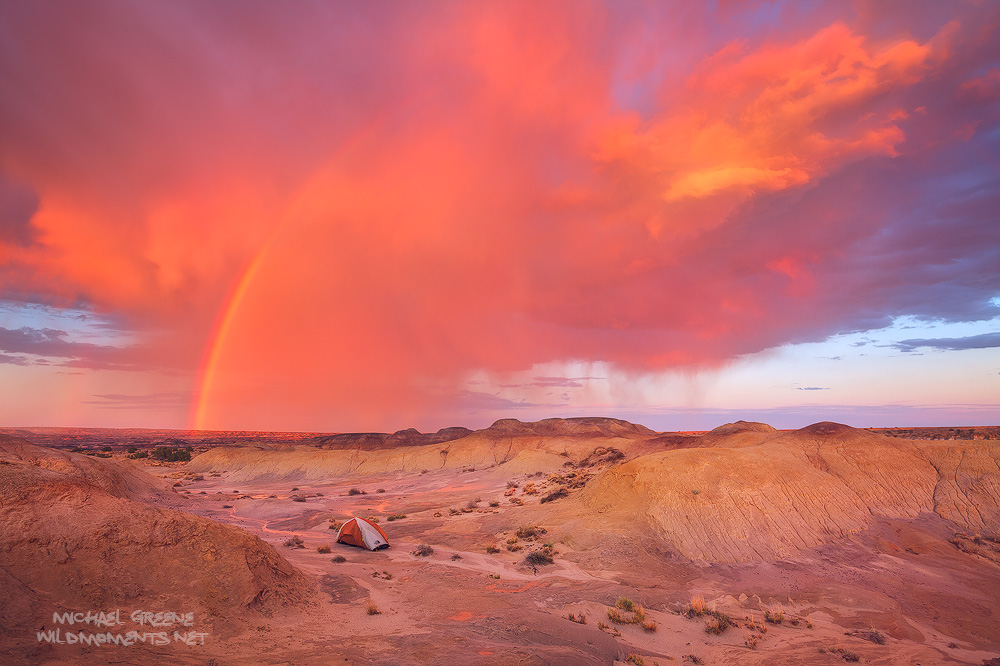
column 354, row 491
column 492, row 550
column 579, row 620
column 649, row 626
column 870, row 635
column 539, row 557
column 635, row 659
column 455, row 557
column 494, row 504
column 141, row 454
column 529, row 532
column 775, row 614
column 171, row 454
column 339, row 559
column 298, row 498
column 294, row 488
column 472, row 504
column 553, row 496
column 718, row 623
column 380, row 490
column 295, row 542
column 514, row 547
column 511, row 484
column 373, row 609
column 625, row 604
column 423, row 550
column 396, row 516
column 750, row 640
column 325, row 549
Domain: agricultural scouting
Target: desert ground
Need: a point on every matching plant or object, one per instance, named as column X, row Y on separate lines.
column 743, row 545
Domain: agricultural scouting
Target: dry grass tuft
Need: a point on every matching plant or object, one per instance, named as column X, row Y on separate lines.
column 696, row 607
column 325, row 549
column 423, row 550
column 373, row 609
column 775, row 614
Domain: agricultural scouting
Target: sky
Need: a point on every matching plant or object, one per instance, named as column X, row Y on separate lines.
column 326, row 216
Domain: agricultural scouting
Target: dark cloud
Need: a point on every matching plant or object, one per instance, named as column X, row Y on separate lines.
column 982, row 341
column 48, row 346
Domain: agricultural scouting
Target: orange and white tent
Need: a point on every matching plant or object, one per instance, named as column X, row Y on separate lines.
column 360, row 532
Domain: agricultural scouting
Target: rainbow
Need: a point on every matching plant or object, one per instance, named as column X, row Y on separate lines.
column 209, row 368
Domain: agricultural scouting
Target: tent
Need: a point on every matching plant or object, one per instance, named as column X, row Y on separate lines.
column 360, row 532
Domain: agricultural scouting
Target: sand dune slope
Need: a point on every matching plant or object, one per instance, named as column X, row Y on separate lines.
column 795, row 490
column 71, row 538
column 518, row 446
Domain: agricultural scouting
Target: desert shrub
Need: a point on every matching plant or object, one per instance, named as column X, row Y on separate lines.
column 455, row 557
column 334, row 525
column 514, row 547
column 750, row 640
column 635, row 659
column 625, row 604
column 354, row 491
column 295, row 542
column 775, row 614
column 380, row 490
column 472, row 504
column 372, row 519
column 494, row 504
column 106, row 448
column 141, row 454
column 850, row 656
column 298, row 498
column 693, row 659
column 579, row 620
column 539, row 557
column 294, row 488
column 225, row 506
column 558, row 494
column 396, row 516
column 517, row 501
column 529, row 532
column 339, row 559
column 423, row 550
column 492, row 550
column 325, row 548
column 649, row 626
column 131, row 449
column 171, row 454
column 373, row 609
column 718, row 623
column 870, row 635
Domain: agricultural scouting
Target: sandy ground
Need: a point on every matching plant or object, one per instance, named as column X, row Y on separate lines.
column 895, row 593
column 928, row 602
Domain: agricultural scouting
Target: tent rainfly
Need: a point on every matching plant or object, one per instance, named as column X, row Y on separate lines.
column 360, row 532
